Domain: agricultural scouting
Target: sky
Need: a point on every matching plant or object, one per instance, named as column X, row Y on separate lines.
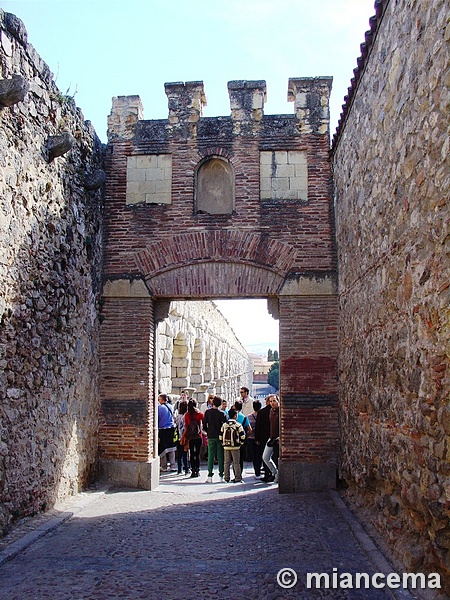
column 98, row 49
column 250, row 320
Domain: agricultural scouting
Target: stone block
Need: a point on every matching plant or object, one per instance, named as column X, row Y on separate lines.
column 280, row 183
column 289, row 195
column 132, row 187
column 166, row 356
column 298, row 183
column 298, row 478
column 281, row 157
column 181, row 382
column 135, row 175
column 179, row 351
column 265, row 159
column 285, row 170
column 132, row 163
column 266, row 194
column 179, row 362
column 265, row 183
column 137, row 475
column 164, row 161
column 153, row 174
column 180, row 372
column 165, row 370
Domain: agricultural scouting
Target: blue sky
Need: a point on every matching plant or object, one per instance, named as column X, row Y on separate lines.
column 99, row 49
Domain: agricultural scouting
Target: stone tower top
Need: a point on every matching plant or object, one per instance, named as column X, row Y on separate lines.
column 186, row 100
column 247, row 100
column 311, row 96
column 126, row 111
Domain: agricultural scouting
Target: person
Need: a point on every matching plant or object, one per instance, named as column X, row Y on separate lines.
column 166, row 430
column 254, row 450
column 208, row 404
column 271, row 450
column 193, row 420
column 243, row 420
column 262, row 433
column 204, row 408
column 212, row 423
column 182, row 398
column 232, row 436
column 247, row 401
column 182, row 455
column 225, row 407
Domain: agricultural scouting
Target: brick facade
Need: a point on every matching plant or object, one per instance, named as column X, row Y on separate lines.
column 309, row 419
column 127, row 363
column 276, row 242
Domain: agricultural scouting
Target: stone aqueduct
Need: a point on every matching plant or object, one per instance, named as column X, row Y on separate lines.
column 197, row 349
column 91, row 267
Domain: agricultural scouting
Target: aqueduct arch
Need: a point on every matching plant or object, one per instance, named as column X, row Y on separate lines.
column 196, row 349
column 277, row 242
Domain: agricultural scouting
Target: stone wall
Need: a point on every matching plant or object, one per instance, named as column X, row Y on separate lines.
column 50, row 265
column 199, row 350
column 391, row 169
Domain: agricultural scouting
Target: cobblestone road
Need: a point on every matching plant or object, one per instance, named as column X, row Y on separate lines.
column 187, row 540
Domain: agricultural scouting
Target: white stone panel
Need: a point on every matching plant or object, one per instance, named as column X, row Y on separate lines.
column 288, row 180
column 153, row 174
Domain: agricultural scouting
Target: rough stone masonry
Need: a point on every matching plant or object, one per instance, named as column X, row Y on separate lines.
column 391, row 176
column 50, row 271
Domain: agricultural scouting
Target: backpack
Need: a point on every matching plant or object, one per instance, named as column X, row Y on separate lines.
column 231, row 437
column 192, row 431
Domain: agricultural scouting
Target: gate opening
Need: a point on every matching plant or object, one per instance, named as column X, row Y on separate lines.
column 206, row 351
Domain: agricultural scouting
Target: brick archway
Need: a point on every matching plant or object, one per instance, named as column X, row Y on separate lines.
column 224, row 245
column 278, row 243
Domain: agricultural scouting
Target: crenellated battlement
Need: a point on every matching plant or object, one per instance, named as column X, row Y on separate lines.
column 311, row 96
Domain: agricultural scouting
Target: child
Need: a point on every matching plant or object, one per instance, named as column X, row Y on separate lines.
column 232, row 436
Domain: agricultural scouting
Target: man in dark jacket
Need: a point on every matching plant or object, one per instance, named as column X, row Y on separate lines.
column 212, row 424
column 262, row 432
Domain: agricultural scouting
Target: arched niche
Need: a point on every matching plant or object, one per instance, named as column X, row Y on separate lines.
column 214, row 187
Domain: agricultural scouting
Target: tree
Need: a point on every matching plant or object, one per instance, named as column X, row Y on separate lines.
column 273, row 377
column 270, row 356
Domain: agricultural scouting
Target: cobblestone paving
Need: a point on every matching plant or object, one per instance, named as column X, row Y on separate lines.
column 189, row 540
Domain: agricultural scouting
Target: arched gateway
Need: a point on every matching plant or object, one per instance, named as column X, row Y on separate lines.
column 223, row 207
